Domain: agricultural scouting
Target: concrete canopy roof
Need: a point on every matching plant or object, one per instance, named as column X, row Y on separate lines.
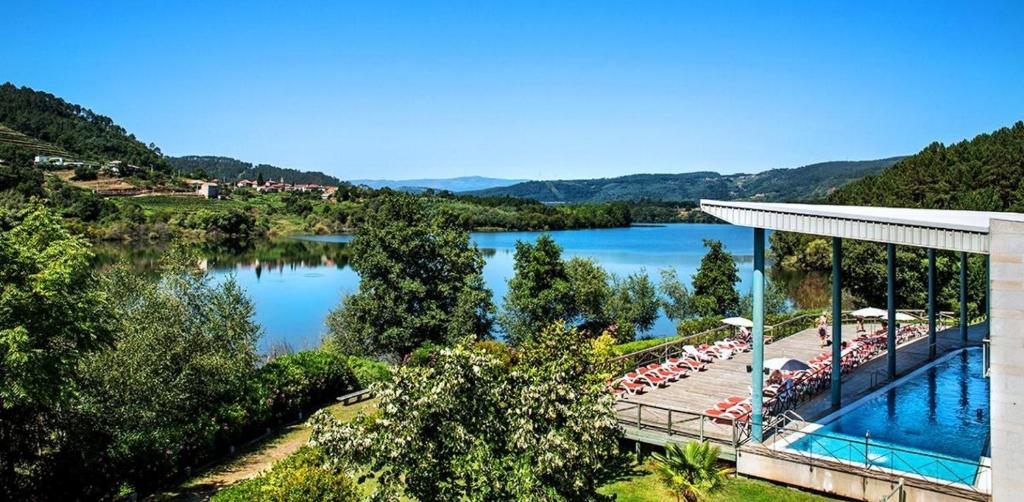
column 929, row 228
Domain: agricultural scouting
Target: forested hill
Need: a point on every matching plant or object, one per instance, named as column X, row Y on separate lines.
column 805, row 183
column 45, row 119
column 226, row 168
column 984, row 174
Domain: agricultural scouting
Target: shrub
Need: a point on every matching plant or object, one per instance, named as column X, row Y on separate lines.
column 368, row 371
column 303, row 476
column 295, row 381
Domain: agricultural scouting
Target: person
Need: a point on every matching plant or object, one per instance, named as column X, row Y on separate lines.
column 823, row 329
column 775, row 378
column 860, row 325
column 745, row 334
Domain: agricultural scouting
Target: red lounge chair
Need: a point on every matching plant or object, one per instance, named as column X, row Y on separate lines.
column 630, row 388
column 691, row 364
column 654, row 379
column 665, row 373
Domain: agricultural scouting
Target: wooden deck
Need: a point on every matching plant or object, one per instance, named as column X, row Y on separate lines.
column 678, row 408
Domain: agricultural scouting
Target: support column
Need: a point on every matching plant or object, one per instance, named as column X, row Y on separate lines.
column 988, row 296
column 890, row 334
column 837, row 321
column 931, row 304
column 757, row 373
column 963, row 297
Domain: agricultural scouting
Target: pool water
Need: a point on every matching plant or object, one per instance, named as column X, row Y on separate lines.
column 934, row 424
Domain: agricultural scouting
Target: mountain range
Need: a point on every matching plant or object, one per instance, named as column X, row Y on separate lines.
column 458, row 184
column 34, row 122
column 809, row 182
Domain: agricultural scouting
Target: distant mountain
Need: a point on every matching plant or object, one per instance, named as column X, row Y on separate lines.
column 810, row 182
column 980, row 174
column 459, row 184
column 228, row 169
column 40, row 123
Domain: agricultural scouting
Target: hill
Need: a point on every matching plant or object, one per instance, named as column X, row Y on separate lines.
column 983, row 174
column 459, row 184
column 48, row 124
column 809, row 182
column 228, row 169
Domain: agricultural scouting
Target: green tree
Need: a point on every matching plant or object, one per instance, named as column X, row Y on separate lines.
column 52, row 313
column 690, row 471
column 539, row 292
column 714, row 285
column 181, row 371
column 633, row 305
column 466, row 425
column 259, row 179
column 590, row 293
column 420, row 280
column 675, row 298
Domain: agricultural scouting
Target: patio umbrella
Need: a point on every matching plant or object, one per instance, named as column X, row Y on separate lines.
column 868, row 312
column 900, row 316
column 785, row 364
column 739, row 322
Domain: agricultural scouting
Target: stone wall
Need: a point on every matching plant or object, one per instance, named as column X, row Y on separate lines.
column 1007, row 359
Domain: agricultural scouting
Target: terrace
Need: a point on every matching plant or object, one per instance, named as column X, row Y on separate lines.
column 842, row 432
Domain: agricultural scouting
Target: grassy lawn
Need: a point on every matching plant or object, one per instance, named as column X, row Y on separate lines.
column 646, row 487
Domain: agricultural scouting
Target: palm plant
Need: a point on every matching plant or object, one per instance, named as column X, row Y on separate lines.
column 690, row 471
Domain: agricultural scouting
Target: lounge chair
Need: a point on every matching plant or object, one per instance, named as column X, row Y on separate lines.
column 701, row 356
column 629, row 388
column 691, row 364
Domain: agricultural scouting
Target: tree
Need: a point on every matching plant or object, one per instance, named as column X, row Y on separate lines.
column 691, row 471
column 52, row 313
column 590, row 293
column 259, row 179
column 539, row 293
column 466, row 425
column 179, row 373
column 675, row 298
column 420, row 280
column 633, row 305
column 714, row 285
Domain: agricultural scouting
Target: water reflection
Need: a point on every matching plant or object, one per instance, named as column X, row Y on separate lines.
column 295, row 282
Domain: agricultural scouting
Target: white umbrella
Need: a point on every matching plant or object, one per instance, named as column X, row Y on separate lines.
column 868, row 312
column 738, row 322
column 900, row 316
column 785, row 364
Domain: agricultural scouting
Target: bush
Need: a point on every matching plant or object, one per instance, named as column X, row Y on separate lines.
column 305, row 475
column 368, row 371
column 294, row 382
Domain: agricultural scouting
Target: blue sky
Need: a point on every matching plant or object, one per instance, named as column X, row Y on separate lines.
column 529, row 89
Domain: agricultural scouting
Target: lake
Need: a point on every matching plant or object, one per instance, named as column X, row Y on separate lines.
column 295, row 282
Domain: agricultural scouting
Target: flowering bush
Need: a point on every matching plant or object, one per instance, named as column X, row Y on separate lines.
column 469, row 424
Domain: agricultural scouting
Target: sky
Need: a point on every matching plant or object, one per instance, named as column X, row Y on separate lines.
column 542, row 90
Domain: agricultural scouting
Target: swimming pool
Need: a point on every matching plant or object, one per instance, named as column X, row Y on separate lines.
column 933, row 423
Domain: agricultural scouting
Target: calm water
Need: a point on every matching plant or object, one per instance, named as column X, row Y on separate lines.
column 294, row 283
column 941, row 411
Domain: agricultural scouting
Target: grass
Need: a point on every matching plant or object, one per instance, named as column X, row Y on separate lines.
column 644, row 486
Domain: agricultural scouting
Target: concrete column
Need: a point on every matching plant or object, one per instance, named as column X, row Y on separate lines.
column 931, row 303
column 757, row 373
column 988, row 295
column 890, row 334
column 837, row 320
column 1007, row 360
column 963, row 297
